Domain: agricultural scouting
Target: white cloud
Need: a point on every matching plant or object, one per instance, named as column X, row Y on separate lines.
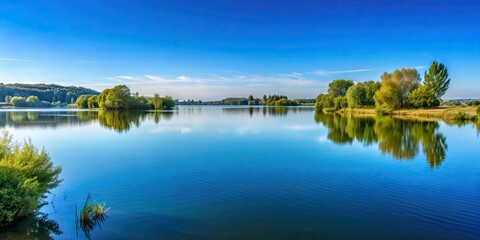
column 329, row 72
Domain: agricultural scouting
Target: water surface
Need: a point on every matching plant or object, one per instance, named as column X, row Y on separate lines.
column 255, row 173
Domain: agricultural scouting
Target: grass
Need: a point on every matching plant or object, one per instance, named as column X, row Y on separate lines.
column 443, row 113
column 91, row 215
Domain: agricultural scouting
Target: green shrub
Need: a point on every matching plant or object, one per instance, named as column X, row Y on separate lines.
column 26, row 175
column 423, row 97
column 463, row 116
column 478, row 111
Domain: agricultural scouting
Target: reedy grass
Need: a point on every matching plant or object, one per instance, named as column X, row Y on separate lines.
column 91, row 215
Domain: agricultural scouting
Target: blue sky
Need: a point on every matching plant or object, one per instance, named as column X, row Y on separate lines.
column 213, row 49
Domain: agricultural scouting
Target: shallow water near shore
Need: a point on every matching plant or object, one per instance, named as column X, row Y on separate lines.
column 254, row 173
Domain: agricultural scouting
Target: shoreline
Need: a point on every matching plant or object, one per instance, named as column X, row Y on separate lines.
column 438, row 113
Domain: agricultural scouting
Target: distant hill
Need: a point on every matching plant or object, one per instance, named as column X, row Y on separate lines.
column 45, row 92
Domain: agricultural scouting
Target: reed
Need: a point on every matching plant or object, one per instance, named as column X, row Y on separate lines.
column 91, row 215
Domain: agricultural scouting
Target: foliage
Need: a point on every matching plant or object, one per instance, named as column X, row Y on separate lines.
column 156, row 101
column 478, row 111
column 423, row 97
column 270, row 101
column 395, row 88
column 18, row 101
column 324, row 101
column 92, row 102
column 463, row 116
column 361, row 94
column 44, row 92
column 120, row 98
column 340, row 102
column 26, row 175
column 82, row 101
column 31, row 101
column 436, row 78
column 339, row 87
column 473, row 102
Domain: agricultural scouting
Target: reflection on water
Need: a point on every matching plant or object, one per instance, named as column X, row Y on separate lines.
column 120, row 121
column 255, row 173
column 399, row 138
column 266, row 111
column 33, row 227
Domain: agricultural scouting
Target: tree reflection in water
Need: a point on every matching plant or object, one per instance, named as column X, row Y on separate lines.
column 33, row 227
column 119, row 121
column 399, row 138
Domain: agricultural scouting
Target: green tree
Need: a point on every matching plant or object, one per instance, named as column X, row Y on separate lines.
column 356, row 96
column 339, row 87
column 340, row 102
column 33, row 101
column 118, row 98
column 82, row 101
column 92, row 102
column 436, row 78
column 168, row 102
column 423, row 97
column 324, row 102
column 157, row 101
column 395, row 88
column 18, row 102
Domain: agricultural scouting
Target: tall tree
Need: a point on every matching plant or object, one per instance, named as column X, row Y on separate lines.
column 437, row 78
column 395, row 88
column 339, row 87
column 157, row 101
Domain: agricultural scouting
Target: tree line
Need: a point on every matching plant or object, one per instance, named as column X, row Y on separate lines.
column 402, row 88
column 121, row 98
column 45, row 92
column 270, row 100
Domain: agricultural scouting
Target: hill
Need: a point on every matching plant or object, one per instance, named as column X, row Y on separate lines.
column 45, row 92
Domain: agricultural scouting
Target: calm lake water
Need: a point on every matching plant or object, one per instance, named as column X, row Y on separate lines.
column 255, row 173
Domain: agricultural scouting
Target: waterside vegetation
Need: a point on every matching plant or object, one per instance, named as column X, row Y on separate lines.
column 26, row 176
column 401, row 92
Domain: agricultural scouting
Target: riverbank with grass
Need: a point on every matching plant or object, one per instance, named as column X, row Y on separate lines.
column 438, row 113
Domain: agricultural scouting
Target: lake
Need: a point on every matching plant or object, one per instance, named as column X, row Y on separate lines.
column 254, row 173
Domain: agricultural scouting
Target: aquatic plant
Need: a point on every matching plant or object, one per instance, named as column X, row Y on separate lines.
column 91, row 215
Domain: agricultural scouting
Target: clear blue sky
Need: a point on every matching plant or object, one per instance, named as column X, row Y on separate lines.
column 214, row 49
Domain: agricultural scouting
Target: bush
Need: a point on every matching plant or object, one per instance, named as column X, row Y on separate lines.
column 26, row 175
column 18, row 101
column 478, row 111
column 463, row 116
column 340, row 102
column 423, row 97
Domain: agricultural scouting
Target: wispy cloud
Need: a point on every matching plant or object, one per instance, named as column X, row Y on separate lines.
column 228, row 83
column 126, row 78
column 15, row 60
column 330, row 72
column 419, row 67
